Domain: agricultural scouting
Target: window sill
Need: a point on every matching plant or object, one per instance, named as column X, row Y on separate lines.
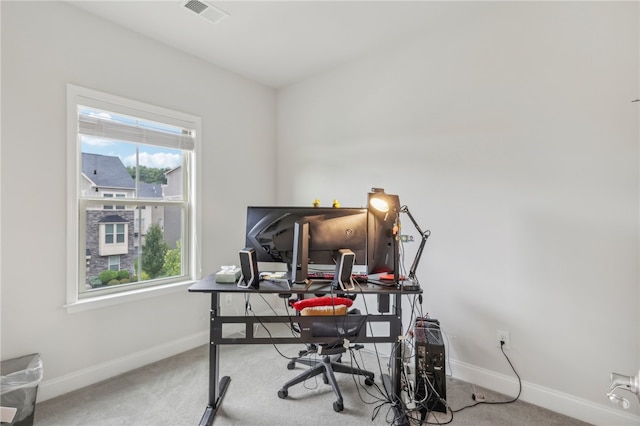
column 125, row 297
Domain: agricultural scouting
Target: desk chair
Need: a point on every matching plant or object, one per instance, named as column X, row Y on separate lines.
column 344, row 326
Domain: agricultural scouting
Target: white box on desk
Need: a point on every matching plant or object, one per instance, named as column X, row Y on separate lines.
column 228, row 276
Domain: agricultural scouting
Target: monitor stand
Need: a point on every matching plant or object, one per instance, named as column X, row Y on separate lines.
column 300, row 262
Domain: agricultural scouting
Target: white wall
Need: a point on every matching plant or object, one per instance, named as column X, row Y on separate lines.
column 510, row 133
column 46, row 45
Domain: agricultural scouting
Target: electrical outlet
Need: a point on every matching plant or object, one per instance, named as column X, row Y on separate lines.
column 503, row 336
column 227, row 299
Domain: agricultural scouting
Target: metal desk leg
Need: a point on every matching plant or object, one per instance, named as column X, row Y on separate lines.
column 397, row 365
column 396, row 369
column 216, row 390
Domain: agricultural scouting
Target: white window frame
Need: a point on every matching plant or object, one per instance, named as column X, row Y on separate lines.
column 76, row 260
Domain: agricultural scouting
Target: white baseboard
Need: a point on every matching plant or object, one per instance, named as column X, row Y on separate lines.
column 60, row 385
column 569, row 405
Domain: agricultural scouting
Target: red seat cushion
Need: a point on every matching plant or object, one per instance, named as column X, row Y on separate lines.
column 322, row 301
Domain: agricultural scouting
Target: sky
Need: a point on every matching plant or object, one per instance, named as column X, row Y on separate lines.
column 150, row 156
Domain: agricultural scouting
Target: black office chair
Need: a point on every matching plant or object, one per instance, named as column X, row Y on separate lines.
column 346, row 326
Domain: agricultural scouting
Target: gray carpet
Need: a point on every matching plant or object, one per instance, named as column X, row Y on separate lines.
column 173, row 392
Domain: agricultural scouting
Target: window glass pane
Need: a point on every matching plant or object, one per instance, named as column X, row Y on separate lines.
column 114, row 263
column 161, row 244
column 144, row 244
column 108, row 234
column 120, row 233
column 108, row 164
column 107, row 195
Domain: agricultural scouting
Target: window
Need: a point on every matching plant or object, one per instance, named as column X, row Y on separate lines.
column 113, row 238
column 114, row 263
column 110, row 195
column 144, row 156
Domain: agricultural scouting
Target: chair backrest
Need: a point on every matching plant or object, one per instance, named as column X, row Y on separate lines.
column 343, row 326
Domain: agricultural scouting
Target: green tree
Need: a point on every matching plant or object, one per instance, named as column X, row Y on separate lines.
column 172, row 261
column 150, row 174
column 153, row 251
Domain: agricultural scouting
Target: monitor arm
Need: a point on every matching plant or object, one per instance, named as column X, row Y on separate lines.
column 424, row 235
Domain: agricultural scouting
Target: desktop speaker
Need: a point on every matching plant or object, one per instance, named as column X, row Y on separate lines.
column 300, row 262
column 344, row 266
column 431, row 384
column 250, row 277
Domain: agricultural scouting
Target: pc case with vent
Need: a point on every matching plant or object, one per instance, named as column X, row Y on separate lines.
column 430, row 366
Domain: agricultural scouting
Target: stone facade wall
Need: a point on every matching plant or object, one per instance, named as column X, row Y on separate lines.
column 99, row 263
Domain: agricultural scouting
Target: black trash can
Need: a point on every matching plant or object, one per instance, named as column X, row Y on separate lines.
column 19, row 387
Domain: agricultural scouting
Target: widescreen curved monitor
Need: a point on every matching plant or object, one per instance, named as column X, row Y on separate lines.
column 270, row 231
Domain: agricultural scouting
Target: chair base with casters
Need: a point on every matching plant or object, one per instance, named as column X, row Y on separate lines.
column 327, row 365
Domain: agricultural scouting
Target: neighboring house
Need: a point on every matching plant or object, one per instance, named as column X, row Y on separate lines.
column 148, row 214
column 110, row 230
column 105, row 176
column 115, row 233
column 173, row 189
column 173, row 216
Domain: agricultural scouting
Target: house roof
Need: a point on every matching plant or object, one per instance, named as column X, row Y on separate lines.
column 113, row 218
column 149, row 190
column 106, row 171
column 172, row 170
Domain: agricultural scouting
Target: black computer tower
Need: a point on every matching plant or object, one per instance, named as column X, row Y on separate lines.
column 430, row 374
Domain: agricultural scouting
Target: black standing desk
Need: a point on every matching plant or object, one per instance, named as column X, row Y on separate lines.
column 218, row 385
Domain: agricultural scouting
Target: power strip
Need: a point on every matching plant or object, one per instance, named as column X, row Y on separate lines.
column 408, row 395
column 408, row 401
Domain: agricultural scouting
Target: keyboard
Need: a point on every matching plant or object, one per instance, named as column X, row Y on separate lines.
column 330, row 275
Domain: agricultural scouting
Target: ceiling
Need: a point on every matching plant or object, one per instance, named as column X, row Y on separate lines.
column 276, row 43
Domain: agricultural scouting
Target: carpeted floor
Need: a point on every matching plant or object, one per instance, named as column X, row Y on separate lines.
column 173, row 392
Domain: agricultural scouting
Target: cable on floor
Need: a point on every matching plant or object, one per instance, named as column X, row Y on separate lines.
column 514, row 399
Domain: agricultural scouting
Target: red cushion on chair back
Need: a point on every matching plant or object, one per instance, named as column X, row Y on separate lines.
column 322, row 301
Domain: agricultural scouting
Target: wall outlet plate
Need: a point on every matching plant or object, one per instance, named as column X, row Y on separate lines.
column 503, row 336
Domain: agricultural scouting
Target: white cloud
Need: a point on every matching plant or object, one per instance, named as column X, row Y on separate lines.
column 95, row 141
column 159, row 160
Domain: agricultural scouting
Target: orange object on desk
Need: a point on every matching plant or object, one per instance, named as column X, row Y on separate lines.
column 389, row 277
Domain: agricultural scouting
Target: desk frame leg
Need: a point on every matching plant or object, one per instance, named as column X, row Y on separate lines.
column 216, row 390
column 212, row 409
column 392, row 384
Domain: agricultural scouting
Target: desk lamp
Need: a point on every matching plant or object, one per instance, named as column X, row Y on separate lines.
column 386, row 203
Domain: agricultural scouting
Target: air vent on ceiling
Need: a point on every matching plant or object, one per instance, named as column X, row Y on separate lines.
column 206, row 10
